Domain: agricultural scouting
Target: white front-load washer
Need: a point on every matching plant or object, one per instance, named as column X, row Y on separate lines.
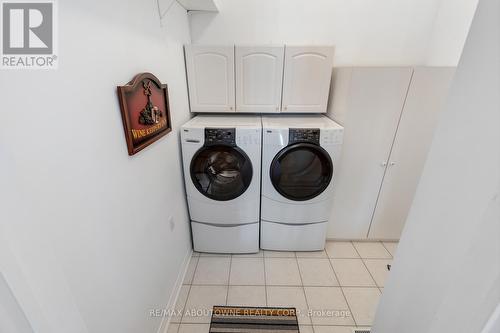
column 221, row 157
column 299, row 155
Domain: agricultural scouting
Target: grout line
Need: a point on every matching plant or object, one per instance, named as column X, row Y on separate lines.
column 189, row 292
column 390, row 253
column 373, row 242
column 364, row 264
column 390, row 259
column 230, row 285
column 369, row 272
column 245, row 258
column 280, row 257
column 265, row 278
column 344, row 258
column 283, row 285
column 342, row 291
column 303, row 290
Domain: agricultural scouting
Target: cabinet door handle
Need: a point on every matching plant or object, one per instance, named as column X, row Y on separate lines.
column 392, row 163
column 231, row 108
column 383, row 164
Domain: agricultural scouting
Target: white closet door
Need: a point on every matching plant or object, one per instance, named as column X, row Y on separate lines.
column 306, row 78
column 374, row 103
column 259, row 73
column 426, row 98
column 210, row 72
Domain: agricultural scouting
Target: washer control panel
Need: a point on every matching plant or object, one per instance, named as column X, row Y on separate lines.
column 215, row 136
column 303, row 135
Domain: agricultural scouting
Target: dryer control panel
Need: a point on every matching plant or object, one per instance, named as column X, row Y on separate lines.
column 332, row 136
column 303, row 135
column 216, row 136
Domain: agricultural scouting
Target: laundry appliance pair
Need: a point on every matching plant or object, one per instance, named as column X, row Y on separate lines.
column 259, row 181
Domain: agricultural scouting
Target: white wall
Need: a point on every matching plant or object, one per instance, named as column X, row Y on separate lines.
column 365, row 33
column 86, row 241
column 449, row 32
column 446, row 274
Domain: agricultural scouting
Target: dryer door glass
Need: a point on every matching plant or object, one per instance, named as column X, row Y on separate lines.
column 301, row 171
column 221, row 172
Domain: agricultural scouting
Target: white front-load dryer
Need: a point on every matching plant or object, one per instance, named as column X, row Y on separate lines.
column 299, row 155
column 221, row 161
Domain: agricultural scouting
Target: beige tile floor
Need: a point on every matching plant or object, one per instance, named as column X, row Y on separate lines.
column 334, row 290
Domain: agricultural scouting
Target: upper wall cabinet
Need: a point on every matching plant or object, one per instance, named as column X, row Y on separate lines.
column 266, row 79
column 210, row 73
column 259, row 73
column 306, row 78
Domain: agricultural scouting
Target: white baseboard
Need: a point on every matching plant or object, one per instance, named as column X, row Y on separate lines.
column 366, row 240
column 165, row 321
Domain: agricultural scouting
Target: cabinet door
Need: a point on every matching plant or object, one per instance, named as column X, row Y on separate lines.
column 210, row 73
column 375, row 98
column 306, row 78
column 426, row 98
column 259, row 73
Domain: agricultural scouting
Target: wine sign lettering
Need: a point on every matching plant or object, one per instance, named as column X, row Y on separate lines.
column 145, row 111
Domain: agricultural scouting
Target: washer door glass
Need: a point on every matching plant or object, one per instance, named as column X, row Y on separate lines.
column 301, row 171
column 221, row 172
